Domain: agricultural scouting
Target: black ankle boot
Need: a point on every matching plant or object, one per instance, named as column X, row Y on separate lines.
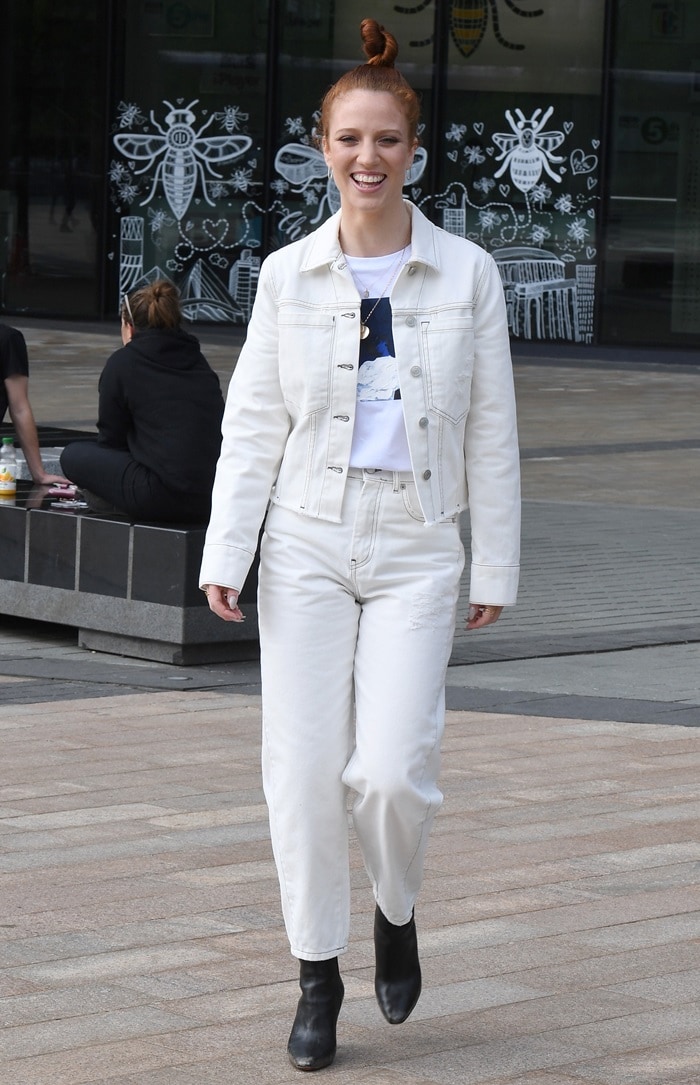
column 312, row 1040
column 397, row 980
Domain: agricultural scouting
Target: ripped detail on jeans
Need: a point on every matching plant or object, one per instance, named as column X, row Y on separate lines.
column 427, row 611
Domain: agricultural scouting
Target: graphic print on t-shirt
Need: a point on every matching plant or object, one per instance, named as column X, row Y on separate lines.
column 378, row 376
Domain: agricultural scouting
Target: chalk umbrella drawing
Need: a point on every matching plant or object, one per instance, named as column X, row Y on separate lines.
column 303, row 165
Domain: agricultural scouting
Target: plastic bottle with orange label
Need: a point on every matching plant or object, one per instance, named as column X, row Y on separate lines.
column 8, row 468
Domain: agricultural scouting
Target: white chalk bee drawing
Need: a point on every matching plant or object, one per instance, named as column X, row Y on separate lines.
column 528, row 150
column 186, row 155
column 302, row 165
column 468, row 22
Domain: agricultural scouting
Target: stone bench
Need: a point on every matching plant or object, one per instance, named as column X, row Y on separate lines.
column 129, row 588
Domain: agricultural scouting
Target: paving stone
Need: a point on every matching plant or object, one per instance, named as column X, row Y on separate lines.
column 677, row 988
column 64, row 1003
column 23, row 1041
column 672, row 1064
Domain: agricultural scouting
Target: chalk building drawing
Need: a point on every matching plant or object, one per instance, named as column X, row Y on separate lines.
column 542, row 235
column 130, row 253
column 243, row 281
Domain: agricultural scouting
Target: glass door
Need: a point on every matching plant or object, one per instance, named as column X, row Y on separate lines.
column 51, row 156
column 651, row 287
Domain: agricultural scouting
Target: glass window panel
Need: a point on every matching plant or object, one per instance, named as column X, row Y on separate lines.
column 652, row 239
column 186, row 168
column 51, row 156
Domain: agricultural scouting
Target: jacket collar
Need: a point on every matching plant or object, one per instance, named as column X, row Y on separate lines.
column 325, row 248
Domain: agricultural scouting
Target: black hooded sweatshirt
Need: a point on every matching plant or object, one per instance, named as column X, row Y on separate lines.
column 161, row 400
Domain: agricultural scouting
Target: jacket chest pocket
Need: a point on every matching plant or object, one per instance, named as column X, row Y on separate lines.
column 306, row 349
column 447, row 343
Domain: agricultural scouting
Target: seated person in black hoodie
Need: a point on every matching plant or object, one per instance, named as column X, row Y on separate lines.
column 159, row 424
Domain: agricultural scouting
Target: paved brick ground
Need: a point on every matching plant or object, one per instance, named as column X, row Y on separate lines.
column 140, row 935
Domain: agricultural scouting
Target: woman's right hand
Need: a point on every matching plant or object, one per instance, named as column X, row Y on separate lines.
column 224, row 602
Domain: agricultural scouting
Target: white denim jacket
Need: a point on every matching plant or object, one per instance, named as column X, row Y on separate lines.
column 287, row 429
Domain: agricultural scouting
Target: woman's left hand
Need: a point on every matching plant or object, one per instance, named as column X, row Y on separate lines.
column 224, row 602
column 480, row 615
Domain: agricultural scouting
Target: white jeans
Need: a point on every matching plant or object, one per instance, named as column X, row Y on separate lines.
column 356, row 628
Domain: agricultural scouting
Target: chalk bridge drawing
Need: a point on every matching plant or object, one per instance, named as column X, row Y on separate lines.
column 468, row 22
column 534, row 210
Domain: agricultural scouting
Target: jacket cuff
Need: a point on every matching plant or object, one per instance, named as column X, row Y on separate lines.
column 494, row 585
column 227, row 566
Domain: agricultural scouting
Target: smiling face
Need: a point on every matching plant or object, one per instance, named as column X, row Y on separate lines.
column 369, row 149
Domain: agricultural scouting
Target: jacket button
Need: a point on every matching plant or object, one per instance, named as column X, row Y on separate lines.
column 427, row 474
column 412, row 269
column 415, row 371
column 411, row 321
column 422, row 422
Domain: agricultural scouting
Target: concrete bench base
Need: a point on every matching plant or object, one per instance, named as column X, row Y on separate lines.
column 130, row 589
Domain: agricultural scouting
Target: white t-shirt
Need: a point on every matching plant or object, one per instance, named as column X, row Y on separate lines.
column 379, row 438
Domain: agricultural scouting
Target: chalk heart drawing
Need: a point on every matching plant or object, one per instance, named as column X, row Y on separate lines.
column 453, row 155
column 568, row 127
column 595, row 144
column 415, row 192
column 215, row 231
column 504, row 190
column 479, row 127
column 582, row 162
column 490, row 150
column 591, row 212
column 591, row 182
column 590, row 252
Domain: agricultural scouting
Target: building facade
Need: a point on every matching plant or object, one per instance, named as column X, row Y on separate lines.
column 144, row 138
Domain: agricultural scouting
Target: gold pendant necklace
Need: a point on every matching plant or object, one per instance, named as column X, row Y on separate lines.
column 395, row 268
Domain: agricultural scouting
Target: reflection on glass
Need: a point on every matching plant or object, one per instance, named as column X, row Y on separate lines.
column 652, row 238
